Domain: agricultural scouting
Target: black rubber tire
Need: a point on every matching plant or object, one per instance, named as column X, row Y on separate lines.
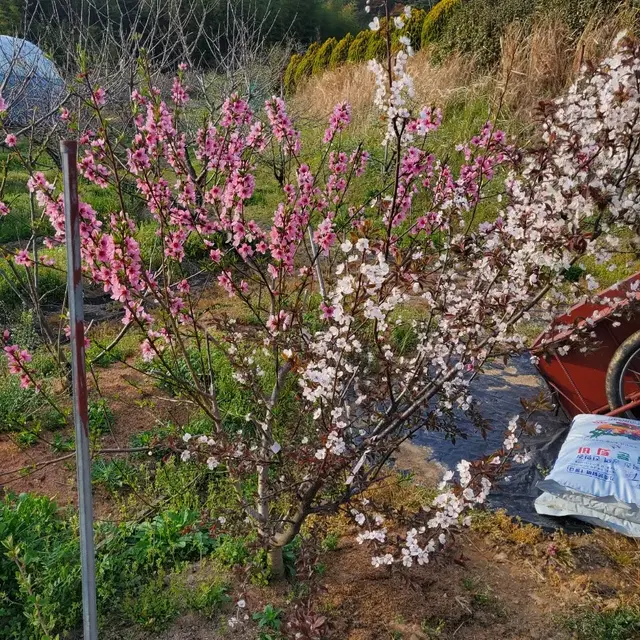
column 627, row 350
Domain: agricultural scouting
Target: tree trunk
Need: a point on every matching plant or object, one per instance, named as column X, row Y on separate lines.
column 276, row 560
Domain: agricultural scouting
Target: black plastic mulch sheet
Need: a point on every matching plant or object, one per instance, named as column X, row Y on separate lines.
column 499, row 391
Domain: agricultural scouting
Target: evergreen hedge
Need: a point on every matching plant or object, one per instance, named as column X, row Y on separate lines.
column 323, row 57
column 476, row 26
column 305, row 66
column 289, row 78
column 340, row 52
column 358, row 48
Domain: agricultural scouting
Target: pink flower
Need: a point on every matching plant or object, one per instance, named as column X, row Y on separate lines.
column 64, row 114
column 148, row 353
column 245, row 251
column 281, row 126
column 325, row 236
column 4, row 210
column 179, row 93
column 11, row 140
column 224, row 280
column 23, row 258
column 16, row 361
column 327, row 311
column 340, row 119
column 99, row 97
column 282, row 321
column 38, row 182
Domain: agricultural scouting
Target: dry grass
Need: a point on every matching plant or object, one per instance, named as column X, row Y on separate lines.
column 500, row 527
column 536, row 64
column 434, row 85
column 541, row 63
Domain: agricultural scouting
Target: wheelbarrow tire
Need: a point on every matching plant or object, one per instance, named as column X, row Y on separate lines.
column 629, row 349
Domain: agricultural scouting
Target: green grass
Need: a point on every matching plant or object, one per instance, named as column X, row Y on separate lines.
column 132, row 561
column 113, row 474
column 17, row 405
column 102, row 336
column 101, row 418
column 16, row 225
column 619, row 624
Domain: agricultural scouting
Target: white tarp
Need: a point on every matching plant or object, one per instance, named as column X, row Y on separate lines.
column 596, row 477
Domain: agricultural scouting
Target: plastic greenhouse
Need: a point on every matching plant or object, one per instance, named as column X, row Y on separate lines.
column 29, row 82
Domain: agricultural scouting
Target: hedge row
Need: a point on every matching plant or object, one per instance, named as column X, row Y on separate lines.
column 365, row 45
column 469, row 26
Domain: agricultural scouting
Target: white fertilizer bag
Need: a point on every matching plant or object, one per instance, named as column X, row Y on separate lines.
column 596, row 477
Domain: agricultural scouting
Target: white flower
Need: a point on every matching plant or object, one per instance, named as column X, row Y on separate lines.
column 321, row 454
column 185, row 456
column 374, row 25
column 407, row 10
column 399, row 22
column 241, row 603
column 346, row 246
column 592, row 283
column 186, row 437
column 222, row 520
column 405, row 40
column 212, row 463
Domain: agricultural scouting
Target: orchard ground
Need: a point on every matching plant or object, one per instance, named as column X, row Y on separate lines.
column 500, row 579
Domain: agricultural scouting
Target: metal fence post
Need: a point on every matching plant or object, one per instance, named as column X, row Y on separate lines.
column 69, row 153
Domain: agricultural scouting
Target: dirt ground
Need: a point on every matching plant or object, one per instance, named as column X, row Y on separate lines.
column 499, row 580
column 134, row 410
column 496, row 582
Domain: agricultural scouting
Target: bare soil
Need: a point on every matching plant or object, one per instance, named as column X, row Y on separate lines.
column 499, row 580
column 135, row 408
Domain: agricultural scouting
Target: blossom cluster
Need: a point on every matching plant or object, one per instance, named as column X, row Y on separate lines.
column 17, row 362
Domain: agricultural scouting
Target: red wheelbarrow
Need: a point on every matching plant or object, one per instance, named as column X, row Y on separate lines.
column 605, row 379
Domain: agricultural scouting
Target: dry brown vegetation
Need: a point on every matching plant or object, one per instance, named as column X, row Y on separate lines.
column 536, row 64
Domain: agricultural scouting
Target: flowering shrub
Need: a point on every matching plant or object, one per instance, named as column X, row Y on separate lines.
column 328, row 280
